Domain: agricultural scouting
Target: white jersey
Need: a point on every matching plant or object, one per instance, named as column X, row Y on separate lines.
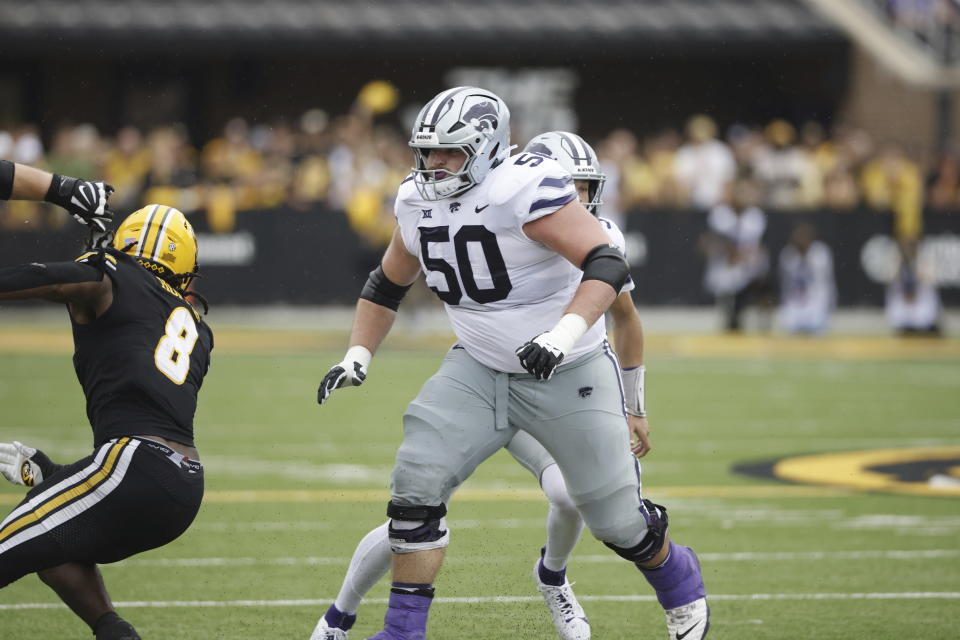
column 500, row 288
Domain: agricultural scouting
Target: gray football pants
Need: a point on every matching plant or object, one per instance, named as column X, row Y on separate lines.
column 467, row 411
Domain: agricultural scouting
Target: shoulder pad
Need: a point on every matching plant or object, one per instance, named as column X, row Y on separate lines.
column 614, row 233
column 511, row 178
column 99, row 259
column 408, row 191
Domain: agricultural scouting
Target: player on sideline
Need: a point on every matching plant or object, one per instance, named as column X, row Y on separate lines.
column 141, row 352
column 505, row 244
column 371, row 559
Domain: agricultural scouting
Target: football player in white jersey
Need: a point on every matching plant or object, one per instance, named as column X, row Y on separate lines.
column 505, row 243
column 580, row 160
column 371, row 558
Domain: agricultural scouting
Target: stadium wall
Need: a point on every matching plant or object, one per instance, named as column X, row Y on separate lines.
column 314, row 257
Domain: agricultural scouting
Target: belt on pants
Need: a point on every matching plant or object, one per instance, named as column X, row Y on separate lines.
column 501, row 401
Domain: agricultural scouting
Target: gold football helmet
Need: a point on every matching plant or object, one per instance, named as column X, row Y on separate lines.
column 162, row 240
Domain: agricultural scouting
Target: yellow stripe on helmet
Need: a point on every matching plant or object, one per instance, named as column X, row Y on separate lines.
column 145, row 231
column 159, row 239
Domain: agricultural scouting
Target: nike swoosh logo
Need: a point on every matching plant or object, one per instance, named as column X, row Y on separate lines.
column 479, row 209
column 681, row 636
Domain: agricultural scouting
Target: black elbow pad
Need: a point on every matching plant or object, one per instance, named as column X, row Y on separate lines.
column 607, row 264
column 380, row 290
column 6, row 179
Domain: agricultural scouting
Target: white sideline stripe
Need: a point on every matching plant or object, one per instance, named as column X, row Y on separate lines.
column 170, row 604
column 747, row 556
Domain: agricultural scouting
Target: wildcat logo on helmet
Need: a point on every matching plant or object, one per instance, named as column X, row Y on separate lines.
column 482, row 115
column 537, row 147
column 466, row 119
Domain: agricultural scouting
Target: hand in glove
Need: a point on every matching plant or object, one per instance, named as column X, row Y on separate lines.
column 24, row 465
column 352, row 371
column 85, row 200
column 541, row 355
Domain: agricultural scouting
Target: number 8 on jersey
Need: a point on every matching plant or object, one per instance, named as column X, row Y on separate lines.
column 172, row 355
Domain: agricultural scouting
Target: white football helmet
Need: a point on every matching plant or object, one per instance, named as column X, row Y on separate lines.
column 471, row 119
column 577, row 157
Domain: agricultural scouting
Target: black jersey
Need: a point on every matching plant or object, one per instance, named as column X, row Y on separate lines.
column 142, row 362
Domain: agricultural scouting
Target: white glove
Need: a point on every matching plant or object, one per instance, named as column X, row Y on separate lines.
column 351, row 371
column 17, row 466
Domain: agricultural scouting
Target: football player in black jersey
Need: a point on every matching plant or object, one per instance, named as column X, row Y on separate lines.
column 141, row 353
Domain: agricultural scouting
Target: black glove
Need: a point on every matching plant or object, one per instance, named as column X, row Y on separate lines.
column 86, row 200
column 540, row 356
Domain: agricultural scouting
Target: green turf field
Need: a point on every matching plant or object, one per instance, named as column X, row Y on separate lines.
column 291, row 487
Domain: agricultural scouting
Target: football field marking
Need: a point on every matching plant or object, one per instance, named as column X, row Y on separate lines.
column 175, row 604
column 488, row 495
column 749, row 556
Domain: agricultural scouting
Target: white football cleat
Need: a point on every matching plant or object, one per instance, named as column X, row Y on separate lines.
column 689, row 622
column 568, row 616
column 324, row 632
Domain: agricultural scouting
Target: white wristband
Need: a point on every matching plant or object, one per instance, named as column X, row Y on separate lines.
column 570, row 329
column 633, row 388
column 356, row 353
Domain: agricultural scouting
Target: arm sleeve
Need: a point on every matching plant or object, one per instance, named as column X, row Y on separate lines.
column 35, row 275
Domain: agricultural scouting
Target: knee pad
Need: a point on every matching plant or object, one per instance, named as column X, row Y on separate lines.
column 652, row 543
column 553, row 485
column 417, row 528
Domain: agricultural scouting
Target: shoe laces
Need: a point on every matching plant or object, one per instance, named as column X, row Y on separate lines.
column 681, row 614
column 558, row 594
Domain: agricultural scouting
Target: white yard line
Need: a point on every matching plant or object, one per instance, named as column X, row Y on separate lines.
column 747, row 556
column 174, row 604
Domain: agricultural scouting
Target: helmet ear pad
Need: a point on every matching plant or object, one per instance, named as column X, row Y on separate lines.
column 478, row 170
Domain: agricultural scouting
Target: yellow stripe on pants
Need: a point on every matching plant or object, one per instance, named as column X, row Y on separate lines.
column 78, row 491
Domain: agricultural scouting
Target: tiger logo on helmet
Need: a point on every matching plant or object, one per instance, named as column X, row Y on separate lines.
column 162, row 240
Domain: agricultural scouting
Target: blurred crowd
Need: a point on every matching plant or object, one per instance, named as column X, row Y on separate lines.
column 346, row 163
column 788, row 169
column 352, row 163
